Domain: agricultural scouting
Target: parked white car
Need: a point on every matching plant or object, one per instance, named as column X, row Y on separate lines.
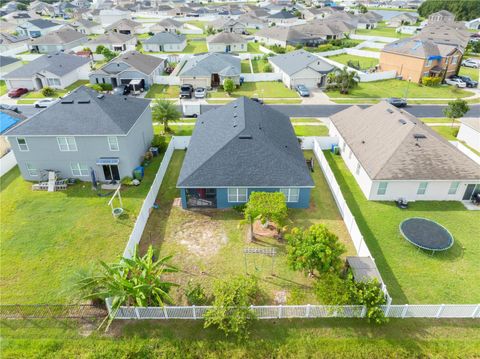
column 456, row 82
column 200, row 92
column 471, row 63
column 44, row 103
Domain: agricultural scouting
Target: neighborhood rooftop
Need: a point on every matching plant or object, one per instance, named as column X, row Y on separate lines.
column 58, row 64
column 84, row 112
column 244, row 143
column 165, row 38
column 392, row 144
column 206, row 64
column 144, row 63
column 294, row 61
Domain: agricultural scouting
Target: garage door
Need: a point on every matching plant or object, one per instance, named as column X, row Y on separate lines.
column 13, row 84
column 308, row 82
column 202, row 82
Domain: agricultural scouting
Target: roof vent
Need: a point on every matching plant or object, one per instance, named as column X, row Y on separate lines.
column 245, row 137
column 101, row 96
column 389, row 110
column 67, row 101
column 418, row 136
column 402, row 121
column 83, row 101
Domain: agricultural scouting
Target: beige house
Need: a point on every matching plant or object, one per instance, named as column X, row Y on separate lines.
column 126, row 27
column 226, row 42
column 167, row 25
column 415, row 58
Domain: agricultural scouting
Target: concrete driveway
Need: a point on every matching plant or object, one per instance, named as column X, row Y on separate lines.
column 317, row 97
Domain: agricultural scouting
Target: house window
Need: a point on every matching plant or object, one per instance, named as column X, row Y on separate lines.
column 357, row 170
column 32, row 171
column 291, row 194
column 113, row 143
column 237, row 195
column 453, row 187
column 429, row 63
column 79, row 169
column 422, row 188
column 382, row 188
column 426, row 74
column 66, row 144
column 454, row 60
column 53, row 82
column 22, row 144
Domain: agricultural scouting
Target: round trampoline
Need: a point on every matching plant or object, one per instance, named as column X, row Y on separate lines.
column 426, row 234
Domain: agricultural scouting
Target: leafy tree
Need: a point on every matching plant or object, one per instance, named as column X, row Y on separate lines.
column 164, row 111
column 362, row 9
column 231, row 312
column 267, row 68
column 48, row 92
column 369, row 294
column 108, row 54
column 22, row 7
column 228, row 85
column 195, row 294
column 456, row 109
column 136, row 281
column 314, row 249
column 99, row 49
column 210, row 30
column 332, row 289
column 266, row 206
column 343, row 80
column 464, row 10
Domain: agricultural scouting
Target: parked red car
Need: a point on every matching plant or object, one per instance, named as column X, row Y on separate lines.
column 17, row 92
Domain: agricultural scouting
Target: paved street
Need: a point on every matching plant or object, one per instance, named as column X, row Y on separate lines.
column 322, row 110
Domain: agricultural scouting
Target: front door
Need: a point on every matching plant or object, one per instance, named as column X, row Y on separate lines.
column 111, row 172
column 229, row 48
column 471, row 189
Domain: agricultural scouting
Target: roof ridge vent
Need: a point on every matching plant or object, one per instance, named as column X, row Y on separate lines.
column 389, row 110
column 418, row 136
column 67, row 101
column 245, row 137
column 83, row 101
column 100, row 96
column 402, row 121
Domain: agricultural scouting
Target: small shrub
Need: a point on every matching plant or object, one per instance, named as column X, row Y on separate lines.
column 331, row 289
column 296, row 297
column 99, row 49
column 240, row 208
column 97, row 87
column 159, row 142
column 195, row 294
column 324, row 47
column 267, row 68
column 126, row 181
column 106, row 87
column 431, row 81
column 228, row 86
column 48, row 92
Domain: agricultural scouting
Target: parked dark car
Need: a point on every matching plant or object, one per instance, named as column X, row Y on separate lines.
column 302, row 90
column 256, row 99
column 121, row 90
column 186, row 91
column 4, row 106
column 397, row 102
column 470, row 83
column 13, row 93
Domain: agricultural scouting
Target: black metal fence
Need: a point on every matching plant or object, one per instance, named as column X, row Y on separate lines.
column 46, row 311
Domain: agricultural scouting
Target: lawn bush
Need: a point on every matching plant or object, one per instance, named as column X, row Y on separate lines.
column 48, row 92
column 267, row 68
column 278, row 49
column 431, row 81
column 325, row 47
column 195, row 294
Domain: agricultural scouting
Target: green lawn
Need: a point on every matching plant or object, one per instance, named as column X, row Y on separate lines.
column 364, row 62
column 3, row 88
column 260, row 89
column 397, row 88
column 163, row 91
column 143, row 36
column 382, row 30
column 47, row 237
column 209, row 244
column 196, row 36
column 200, row 24
column 305, row 130
column 474, row 74
column 450, row 133
column 436, row 120
column 414, row 276
column 327, row 338
column 259, row 65
column 254, row 48
column 195, row 47
column 374, row 49
column 246, row 67
column 58, row 93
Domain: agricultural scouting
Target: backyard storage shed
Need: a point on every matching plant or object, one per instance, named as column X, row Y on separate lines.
column 240, row 148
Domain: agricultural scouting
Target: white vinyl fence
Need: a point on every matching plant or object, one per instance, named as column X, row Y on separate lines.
column 466, row 151
column 373, row 38
column 439, row 311
column 7, row 162
column 268, row 76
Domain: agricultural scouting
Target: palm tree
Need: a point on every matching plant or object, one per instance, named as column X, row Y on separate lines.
column 137, row 281
column 164, row 111
column 346, row 80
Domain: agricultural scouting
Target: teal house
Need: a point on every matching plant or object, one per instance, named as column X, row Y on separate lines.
column 240, row 148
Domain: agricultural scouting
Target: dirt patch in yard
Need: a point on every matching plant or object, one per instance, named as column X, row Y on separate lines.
column 202, row 236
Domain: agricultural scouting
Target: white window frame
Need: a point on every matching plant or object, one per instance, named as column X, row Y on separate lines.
column 453, row 187
column 292, row 195
column 23, row 147
column 237, row 195
column 67, row 147
column 382, row 188
column 79, row 169
column 51, row 81
column 454, row 60
column 32, row 171
column 113, row 145
column 422, row 188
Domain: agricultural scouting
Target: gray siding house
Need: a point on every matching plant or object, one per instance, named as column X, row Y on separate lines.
column 83, row 133
column 60, row 40
column 240, row 148
column 129, row 66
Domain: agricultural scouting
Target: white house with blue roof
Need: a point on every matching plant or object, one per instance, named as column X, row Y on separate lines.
column 240, row 148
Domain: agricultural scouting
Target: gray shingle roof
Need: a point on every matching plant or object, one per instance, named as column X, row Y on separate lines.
column 219, row 155
column 294, row 61
column 382, row 138
column 5, row 60
column 110, row 115
column 142, row 62
column 282, row 15
column 58, row 64
column 212, row 63
column 42, row 23
column 112, row 38
column 165, row 37
column 414, row 46
column 226, row 38
column 59, row 37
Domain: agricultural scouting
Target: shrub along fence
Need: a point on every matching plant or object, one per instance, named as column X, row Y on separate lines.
column 39, row 311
